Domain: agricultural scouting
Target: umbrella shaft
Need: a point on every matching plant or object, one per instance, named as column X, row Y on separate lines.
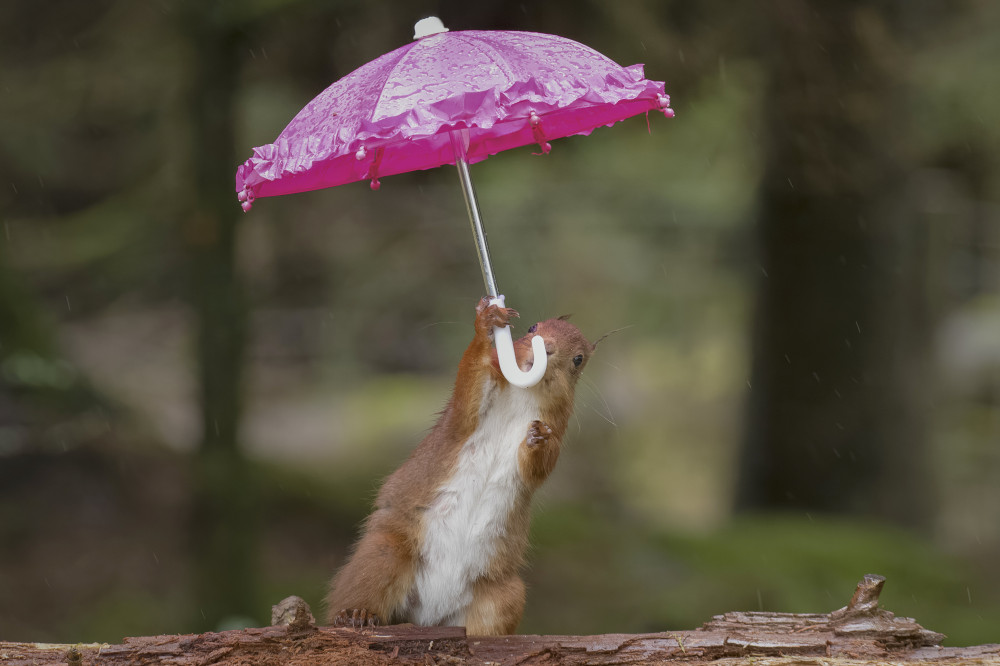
column 478, row 232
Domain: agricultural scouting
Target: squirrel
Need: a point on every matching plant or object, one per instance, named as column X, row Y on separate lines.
column 447, row 539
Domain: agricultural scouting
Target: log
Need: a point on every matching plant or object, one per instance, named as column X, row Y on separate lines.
column 861, row 632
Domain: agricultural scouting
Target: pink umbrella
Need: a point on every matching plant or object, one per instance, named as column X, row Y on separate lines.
column 451, row 98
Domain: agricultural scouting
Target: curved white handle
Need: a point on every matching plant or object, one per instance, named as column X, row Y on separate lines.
column 508, row 362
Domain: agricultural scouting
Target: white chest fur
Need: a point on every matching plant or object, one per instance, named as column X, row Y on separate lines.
column 470, row 513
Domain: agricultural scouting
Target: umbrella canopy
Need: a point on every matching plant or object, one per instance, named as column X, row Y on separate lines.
column 397, row 113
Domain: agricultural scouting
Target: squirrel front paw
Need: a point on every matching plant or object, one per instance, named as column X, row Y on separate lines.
column 355, row 618
column 488, row 316
column 538, row 433
column 538, row 453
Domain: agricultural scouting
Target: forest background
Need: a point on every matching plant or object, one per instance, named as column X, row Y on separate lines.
column 197, row 405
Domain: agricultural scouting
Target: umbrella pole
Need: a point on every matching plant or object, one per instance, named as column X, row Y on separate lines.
column 501, row 336
column 478, row 232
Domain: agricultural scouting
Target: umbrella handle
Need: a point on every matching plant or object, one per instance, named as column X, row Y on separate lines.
column 508, row 362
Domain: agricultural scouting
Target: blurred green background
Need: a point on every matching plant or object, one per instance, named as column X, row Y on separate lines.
column 197, row 405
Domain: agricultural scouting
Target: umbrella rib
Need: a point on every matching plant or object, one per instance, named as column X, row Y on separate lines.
column 388, row 77
column 491, row 54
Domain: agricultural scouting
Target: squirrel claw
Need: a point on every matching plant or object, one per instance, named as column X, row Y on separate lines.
column 538, row 433
column 488, row 316
column 356, row 618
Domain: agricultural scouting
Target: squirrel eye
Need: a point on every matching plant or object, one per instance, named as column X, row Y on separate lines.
column 577, row 360
column 534, row 327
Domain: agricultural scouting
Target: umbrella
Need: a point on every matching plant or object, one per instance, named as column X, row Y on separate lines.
column 451, row 98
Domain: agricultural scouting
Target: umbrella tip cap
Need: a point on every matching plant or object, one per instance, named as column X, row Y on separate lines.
column 426, row 27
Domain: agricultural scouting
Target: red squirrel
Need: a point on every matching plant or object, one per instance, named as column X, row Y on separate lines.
column 447, row 539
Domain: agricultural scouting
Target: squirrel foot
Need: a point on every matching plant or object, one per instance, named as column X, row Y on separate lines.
column 488, row 316
column 538, row 433
column 355, row 618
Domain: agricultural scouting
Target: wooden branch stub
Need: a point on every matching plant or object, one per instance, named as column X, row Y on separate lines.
column 859, row 631
column 862, row 618
column 292, row 612
column 866, row 595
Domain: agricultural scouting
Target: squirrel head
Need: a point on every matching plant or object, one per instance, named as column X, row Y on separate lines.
column 567, row 350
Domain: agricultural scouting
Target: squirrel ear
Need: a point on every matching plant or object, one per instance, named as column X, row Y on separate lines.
column 564, row 317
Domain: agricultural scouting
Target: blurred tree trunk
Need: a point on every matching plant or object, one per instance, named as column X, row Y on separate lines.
column 840, row 335
column 224, row 529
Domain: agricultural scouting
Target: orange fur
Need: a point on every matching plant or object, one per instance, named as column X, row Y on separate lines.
column 496, row 608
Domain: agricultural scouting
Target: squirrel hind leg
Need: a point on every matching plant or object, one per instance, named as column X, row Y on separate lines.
column 373, row 586
column 497, row 606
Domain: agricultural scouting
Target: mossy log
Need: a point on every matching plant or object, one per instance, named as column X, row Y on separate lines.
column 859, row 633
